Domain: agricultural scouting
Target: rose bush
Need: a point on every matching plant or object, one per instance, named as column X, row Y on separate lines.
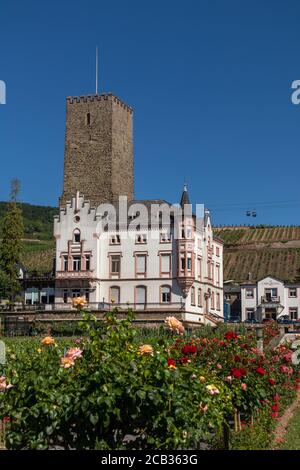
column 110, row 390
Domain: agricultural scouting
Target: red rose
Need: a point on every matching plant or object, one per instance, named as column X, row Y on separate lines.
column 275, row 407
column 236, row 373
column 275, row 414
column 230, row 335
column 237, row 358
column 260, row 371
column 243, row 371
column 272, row 381
column 171, row 362
column 189, row 349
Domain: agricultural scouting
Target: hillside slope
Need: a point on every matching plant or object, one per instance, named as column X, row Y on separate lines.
column 260, row 251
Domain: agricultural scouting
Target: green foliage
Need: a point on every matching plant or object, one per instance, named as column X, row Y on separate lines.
column 38, row 220
column 117, row 395
column 11, row 248
column 254, row 437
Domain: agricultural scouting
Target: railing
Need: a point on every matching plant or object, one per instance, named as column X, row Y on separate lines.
column 74, row 274
column 104, row 306
column 265, row 299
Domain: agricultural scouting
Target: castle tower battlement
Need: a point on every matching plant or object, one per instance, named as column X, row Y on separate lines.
column 98, row 158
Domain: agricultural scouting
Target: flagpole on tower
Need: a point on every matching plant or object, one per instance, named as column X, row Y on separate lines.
column 97, row 69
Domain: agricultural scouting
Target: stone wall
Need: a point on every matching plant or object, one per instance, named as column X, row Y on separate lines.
column 98, row 149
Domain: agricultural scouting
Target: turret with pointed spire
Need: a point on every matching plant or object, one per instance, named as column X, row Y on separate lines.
column 185, row 196
column 185, row 248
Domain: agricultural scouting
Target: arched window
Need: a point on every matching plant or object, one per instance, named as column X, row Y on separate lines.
column 115, row 294
column 140, row 297
column 76, row 236
column 165, row 294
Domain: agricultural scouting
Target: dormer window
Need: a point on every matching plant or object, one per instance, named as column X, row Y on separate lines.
column 165, row 237
column 76, row 236
column 115, row 239
column 141, row 238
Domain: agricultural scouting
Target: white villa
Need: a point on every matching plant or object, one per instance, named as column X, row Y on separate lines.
column 270, row 298
column 136, row 265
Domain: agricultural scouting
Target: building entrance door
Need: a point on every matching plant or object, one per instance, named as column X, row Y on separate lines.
column 270, row 313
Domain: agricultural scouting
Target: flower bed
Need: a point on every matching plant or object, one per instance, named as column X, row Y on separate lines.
column 109, row 390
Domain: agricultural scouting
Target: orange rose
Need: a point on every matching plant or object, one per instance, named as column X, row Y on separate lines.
column 47, row 341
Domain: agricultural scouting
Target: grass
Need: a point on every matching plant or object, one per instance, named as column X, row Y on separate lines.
column 292, row 437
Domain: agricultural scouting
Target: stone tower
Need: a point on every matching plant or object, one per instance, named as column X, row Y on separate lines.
column 98, row 149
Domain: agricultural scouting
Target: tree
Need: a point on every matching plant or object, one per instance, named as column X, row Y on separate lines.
column 11, row 245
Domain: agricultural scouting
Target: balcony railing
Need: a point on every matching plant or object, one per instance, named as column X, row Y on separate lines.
column 74, row 274
column 270, row 299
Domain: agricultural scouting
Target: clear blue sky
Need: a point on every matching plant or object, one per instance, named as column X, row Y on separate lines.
column 209, row 82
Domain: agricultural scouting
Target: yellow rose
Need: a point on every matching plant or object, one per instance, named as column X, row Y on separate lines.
column 146, row 349
column 79, row 302
column 174, row 325
column 202, row 379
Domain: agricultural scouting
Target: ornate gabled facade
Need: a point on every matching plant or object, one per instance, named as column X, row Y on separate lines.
column 131, row 257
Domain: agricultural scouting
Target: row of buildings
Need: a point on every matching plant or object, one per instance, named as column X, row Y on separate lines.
column 149, row 255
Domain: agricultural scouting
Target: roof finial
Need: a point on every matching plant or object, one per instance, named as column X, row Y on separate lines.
column 185, row 185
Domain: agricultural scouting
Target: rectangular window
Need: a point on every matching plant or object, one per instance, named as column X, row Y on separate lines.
column 217, row 251
column 76, row 263
column 165, row 294
column 87, row 295
column 249, row 293
column 141, row 264
column 141, row 238
column 213, row 300
column 218, row 301
column 292, row 292
column 76, row 293
column 199, row 297
column 182, row 262
column 115, row 264
column 193, row 302
column 65, row 296
column 199, row 262
column 165, row 263
column 218, row 274
column 189, row 261
column 250, row 314
column 227, row 297
column 209, row 269
column 87, row 263
column 65, row 263
column 293, row 311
